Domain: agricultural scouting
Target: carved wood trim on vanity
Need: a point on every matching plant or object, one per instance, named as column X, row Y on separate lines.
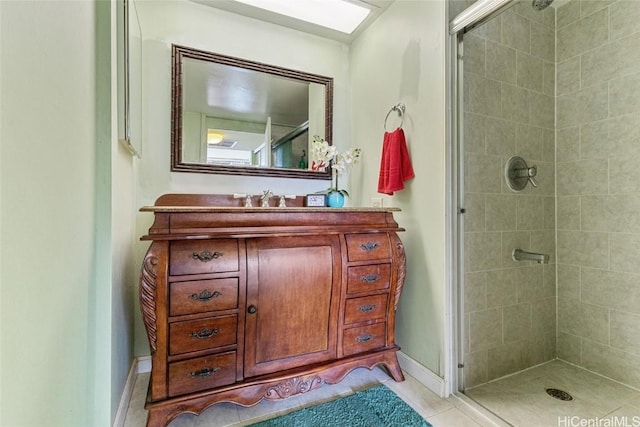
column 402, row 268
column 148, row 287
column 163, row 412
column 293, row 386
column 338, row 309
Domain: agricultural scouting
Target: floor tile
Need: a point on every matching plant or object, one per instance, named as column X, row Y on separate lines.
column 452, row 417
column 442, row 411
column 423, row 400
column 519, row 399
column 522, row 399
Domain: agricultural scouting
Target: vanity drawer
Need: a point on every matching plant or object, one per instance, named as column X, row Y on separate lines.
column 368, row 278
column 363, row 247
column 364, row 338
column 202, row 373
column 193, row 335
column 203, row 256
column 199, row 296
column 365, row 308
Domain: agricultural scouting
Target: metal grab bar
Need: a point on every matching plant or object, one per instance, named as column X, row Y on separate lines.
column 520, row 255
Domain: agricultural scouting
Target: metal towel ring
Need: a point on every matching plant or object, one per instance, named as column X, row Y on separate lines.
column 399, row 108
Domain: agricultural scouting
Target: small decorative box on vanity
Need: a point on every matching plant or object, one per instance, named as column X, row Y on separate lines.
column 244, row 304
column 316, row 200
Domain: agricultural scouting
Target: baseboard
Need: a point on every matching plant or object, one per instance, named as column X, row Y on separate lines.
column 121, row 414
column 144, row 364
column 422, row 374
column 140, row 365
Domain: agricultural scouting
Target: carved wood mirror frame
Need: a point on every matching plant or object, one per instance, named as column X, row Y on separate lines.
column 177, row 164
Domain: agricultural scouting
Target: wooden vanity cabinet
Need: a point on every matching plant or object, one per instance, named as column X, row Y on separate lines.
column 293, row 284
column 244, row 304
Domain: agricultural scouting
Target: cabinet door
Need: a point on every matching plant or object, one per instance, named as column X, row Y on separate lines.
column 293, row 290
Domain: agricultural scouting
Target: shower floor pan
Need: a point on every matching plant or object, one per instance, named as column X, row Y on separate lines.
column 522, row 400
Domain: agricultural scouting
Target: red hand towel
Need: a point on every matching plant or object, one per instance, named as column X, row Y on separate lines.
column 395, row 165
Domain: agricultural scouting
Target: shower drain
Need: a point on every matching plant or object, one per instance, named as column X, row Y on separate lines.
column 559, row 394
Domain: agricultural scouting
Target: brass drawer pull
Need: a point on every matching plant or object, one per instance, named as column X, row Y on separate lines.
column 365, row 338
column 205, row 295
column 206, row 255
column 369, row 246
column 366, row 308
column 204, row 372
column 205, row 333
column 370, row 278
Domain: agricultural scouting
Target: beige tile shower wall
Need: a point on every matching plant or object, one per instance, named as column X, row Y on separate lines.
column 510, row 307
column 598, row 137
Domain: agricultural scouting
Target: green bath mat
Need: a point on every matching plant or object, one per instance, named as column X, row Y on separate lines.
column 374, row 407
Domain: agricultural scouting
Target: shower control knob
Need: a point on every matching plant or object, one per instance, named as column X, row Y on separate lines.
column 518, row 174
column 525, row 172
column 531, row 172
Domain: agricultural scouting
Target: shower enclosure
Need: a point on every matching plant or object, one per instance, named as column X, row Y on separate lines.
column 548, row 271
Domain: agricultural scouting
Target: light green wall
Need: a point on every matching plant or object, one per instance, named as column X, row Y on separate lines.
column 67, row 210
column 99, row 292
column 117, row 317
column 206, row 28
column 61, row 267
column 372, row 74
column 191, row 24
column 401, row 57
column 1, row 204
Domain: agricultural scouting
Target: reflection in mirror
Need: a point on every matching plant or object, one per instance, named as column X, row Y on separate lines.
column 235, row 116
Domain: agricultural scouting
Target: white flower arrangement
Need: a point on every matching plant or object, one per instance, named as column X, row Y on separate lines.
column 324, row 154
column 321, row 154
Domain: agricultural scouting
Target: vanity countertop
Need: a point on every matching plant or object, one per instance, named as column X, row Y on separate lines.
column 239, row 209
column 208, row 215
column 227, row 203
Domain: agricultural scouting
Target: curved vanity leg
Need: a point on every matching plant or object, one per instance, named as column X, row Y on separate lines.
column 392, row 365
column 396, row 372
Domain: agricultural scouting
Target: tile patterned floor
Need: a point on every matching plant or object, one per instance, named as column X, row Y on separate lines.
column 439, row 412
column 521, row 399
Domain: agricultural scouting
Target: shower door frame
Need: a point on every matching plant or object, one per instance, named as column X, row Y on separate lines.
column 457, row 209
column 474, row 15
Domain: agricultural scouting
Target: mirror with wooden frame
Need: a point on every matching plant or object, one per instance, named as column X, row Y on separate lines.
column 240, row 117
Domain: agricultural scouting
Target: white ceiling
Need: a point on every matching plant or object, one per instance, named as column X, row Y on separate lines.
column 230, row 92
column 376, row 6
column 236, row 93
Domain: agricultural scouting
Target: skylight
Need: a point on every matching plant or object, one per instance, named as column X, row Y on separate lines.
column 340, row 15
